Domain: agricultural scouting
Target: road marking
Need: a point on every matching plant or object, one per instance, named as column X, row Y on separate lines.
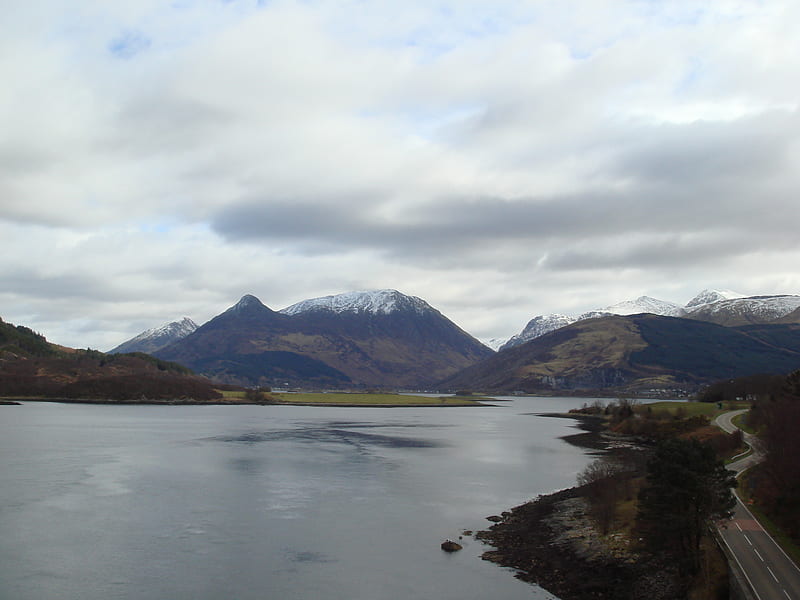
column 773, row 575
column 758, row 555
column 739, row 527
column 785, row 593
column 747, row 538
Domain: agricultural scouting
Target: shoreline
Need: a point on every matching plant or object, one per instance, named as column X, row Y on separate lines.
column 552, row 542
column 236, row 402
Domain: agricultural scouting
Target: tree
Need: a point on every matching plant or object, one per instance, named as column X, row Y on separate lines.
column 604, row 488
column 779, row 490
column 255, row 395
column 686, row 490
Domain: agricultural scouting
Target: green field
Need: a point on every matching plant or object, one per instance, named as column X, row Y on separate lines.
column 690, row 409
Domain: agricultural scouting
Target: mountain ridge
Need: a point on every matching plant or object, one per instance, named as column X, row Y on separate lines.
column 361, row 339
column 717, row 306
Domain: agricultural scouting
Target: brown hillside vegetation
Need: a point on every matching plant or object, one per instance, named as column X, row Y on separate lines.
column 93, row 375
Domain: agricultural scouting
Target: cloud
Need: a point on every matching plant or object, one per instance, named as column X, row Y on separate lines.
column 128, row 44
column 161, row 160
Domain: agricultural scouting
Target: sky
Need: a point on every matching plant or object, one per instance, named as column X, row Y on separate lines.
column 500, row 160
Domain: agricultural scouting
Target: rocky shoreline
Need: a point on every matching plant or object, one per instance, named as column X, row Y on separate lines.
column 552, row 542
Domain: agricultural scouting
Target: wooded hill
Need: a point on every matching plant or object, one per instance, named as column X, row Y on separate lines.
column 30, row 366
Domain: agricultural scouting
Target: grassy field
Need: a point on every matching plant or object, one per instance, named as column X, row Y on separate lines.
column 690, row 409
column 359, row 399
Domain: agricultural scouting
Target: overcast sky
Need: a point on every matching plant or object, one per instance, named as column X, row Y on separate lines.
column 498, row 159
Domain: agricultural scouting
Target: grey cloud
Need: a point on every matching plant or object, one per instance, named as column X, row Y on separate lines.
column 681, row 224
column 693, row 153
column 655, row 253
column 73, row 286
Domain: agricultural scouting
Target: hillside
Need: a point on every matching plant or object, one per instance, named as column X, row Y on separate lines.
column 363, row 339
column 637, row 352
column 31, row 366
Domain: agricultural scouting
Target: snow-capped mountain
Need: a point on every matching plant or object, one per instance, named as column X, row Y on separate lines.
column 359, row 339
column 493, row 343
column 644, row 304
column 157, row 338
column 542, row 324
column 711, row 296
column 376, row 302
column 724, row 307
column 538, row 326
column 744, row 311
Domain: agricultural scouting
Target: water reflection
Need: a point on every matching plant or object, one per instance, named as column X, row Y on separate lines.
column 329, row 434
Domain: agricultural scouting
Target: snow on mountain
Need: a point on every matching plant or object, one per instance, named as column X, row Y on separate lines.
column 543, row 324
column 712, row 296
column 538, row 326
column 379, row 302
column 645, row 304
column 757, row 308
column 493, row 343
column 157, row 337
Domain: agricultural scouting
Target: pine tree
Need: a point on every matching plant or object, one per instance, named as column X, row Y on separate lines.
column 687, row 489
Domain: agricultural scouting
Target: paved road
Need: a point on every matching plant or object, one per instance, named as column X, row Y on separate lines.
column 772, row 575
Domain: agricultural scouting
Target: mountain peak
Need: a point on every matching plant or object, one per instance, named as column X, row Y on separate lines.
column 246, row 303
column 710, row 296
column 157, row 337
column 379, row 302
column 644, row 304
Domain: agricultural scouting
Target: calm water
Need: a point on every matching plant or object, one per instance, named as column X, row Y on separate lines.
column 147, row 502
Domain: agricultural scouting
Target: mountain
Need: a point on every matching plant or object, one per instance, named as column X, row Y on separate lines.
column 159, row 337
column 537, row 327
column 543, row 324
column 493, row 343
column 636, row 352
column 724, row 307
column 644, row 304
column 375, row 302
column 32, row 366
column 743, row 311
column 359, row 339
column 711, row 296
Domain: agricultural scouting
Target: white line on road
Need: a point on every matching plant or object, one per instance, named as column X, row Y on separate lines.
column 785, row 593
column 738, row 527
column 758, row 555
column 748, row 539
column 773, row 575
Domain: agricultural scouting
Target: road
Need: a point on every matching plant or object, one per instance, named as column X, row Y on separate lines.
column 770, row 572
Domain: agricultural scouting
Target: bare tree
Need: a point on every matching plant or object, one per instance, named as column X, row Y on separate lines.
column 604, row 489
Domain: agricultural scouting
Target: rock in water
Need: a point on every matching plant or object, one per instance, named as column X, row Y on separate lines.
column 451, row 546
